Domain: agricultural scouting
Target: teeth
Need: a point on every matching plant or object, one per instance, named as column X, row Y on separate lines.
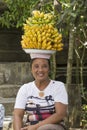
column 40, row 74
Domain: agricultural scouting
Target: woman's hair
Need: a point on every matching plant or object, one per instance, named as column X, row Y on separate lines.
column 35, row 58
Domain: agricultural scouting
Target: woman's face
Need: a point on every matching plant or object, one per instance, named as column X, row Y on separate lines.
column 40, row 69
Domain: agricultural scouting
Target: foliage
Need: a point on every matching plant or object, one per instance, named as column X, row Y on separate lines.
column 73, row 16
column 73, row 13
column 84, row 116
column 19, row 10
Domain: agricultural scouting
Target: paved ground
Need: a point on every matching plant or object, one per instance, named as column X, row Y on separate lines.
column 7, row 125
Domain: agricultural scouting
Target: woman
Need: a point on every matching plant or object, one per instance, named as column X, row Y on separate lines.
column 44, row 100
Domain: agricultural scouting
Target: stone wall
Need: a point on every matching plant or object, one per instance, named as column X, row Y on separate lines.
column 14, row 72
column 12, row 76
column 10, row 46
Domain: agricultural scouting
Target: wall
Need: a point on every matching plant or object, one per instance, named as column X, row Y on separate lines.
column 12, row 76
column 10, row 46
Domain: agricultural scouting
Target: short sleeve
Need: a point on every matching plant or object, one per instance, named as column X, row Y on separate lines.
column 60, row 94
column 21, row 98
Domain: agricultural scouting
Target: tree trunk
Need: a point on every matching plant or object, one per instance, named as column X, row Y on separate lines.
column 73, row 89
column 70, row 59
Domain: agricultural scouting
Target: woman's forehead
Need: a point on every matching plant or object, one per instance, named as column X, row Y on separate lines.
column 40, row 61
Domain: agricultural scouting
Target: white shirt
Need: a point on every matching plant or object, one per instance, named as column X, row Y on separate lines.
column 28, row 98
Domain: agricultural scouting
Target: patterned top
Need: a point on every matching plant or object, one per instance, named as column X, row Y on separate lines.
column 40, row 107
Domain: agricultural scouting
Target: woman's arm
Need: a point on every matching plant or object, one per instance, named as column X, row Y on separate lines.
column 18, row 119
column 61, row 112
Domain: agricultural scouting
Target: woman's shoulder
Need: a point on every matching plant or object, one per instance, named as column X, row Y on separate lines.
column 27, row 85
column 55, row 82
column 58, row 86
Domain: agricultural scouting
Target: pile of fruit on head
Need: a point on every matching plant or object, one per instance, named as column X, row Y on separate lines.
column 41, row 33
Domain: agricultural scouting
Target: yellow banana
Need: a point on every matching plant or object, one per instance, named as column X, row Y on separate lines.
column 49, row 47
column 39, row 32
column 44, row 44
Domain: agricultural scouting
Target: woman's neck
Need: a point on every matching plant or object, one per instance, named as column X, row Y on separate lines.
column 42, row 84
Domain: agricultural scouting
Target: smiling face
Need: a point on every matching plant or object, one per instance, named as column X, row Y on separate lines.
column 40, row 69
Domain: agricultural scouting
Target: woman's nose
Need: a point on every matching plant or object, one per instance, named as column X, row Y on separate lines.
column 40, row 68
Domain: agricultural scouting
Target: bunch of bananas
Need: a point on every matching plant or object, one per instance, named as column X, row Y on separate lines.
column 40, row 33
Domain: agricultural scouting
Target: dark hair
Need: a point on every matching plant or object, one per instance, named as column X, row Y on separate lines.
column 31, row 61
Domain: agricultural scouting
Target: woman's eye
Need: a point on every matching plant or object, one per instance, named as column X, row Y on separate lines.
column 45, row 66
column 36, row 66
